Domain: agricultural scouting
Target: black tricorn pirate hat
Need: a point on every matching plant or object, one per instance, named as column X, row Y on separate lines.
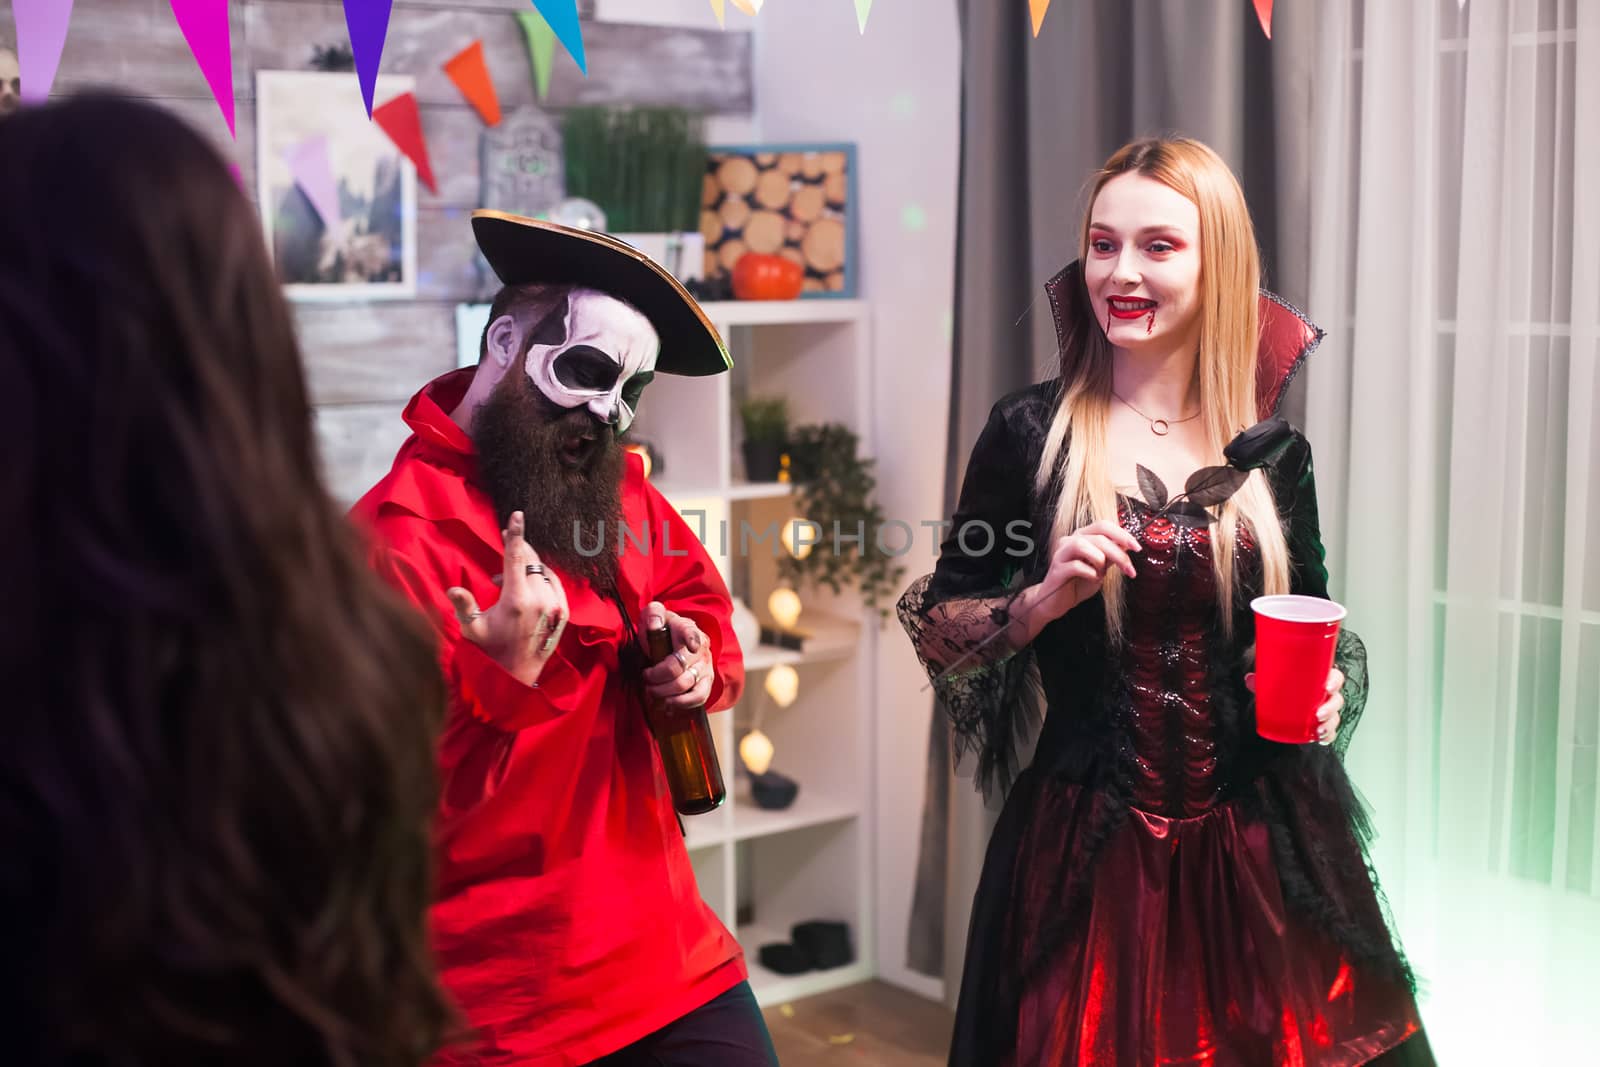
column 526, row 251
column 1287, row 336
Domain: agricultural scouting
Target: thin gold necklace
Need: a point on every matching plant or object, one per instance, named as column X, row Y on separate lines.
column 1159, row 427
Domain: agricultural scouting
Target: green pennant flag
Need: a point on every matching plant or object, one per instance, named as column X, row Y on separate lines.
column 541, row 48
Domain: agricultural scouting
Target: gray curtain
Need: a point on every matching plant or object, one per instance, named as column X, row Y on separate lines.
column 1038, row 117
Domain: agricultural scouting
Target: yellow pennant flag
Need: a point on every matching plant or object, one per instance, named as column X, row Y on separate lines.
column 863, row 9
column 720, row 9
column 1038, row 8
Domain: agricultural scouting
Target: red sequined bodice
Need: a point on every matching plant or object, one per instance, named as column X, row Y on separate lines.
column 1170, row 615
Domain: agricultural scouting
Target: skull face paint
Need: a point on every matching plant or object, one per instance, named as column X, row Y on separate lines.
column 10, row 82
column 595, row 352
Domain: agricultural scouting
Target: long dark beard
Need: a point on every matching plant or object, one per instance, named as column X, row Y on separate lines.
column 572, row 514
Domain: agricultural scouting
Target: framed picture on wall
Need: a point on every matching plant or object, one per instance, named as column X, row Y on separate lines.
column 338, row 199
column 792, row 200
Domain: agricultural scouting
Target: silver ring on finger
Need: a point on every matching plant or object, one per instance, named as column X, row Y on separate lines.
column 533, row 568
column 694, row 674
column 683, row 660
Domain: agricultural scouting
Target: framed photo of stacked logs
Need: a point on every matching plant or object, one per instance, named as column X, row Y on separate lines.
column 792, row 200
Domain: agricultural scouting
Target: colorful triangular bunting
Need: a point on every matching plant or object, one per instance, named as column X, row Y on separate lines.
column 1264, row 13
column 863, row 9
column 402, row 121
column 541, row 48
column 368, row 23
column 471, row 75
column 41, row 33
column 1037, row 8
column 205, row 26
column 749, row 7
column 719, row 8
column 562, row 16
column 313, row 173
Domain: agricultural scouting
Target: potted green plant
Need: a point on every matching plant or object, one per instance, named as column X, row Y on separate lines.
column 766, row 436
column 834, row 488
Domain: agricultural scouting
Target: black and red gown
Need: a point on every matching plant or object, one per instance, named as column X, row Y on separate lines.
column 1163, row 886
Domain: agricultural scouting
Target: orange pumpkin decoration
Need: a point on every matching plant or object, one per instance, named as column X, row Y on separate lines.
column 757, row 276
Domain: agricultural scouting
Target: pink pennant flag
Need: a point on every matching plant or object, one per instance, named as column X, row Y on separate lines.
column 1037, row 8
column 1264, row 13
column 205, row 26
column 313, row 173
column 41, row 33
column 402, row 121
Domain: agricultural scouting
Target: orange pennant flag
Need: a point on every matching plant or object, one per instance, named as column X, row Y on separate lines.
column 1038, row 8
column 471, row 75
column 402, row 121
column 1264, row 13
column 749, row 7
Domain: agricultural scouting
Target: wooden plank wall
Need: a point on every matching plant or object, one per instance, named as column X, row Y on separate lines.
column 364, row 360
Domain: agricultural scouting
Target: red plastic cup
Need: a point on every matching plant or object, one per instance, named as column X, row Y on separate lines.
column 1295, row 639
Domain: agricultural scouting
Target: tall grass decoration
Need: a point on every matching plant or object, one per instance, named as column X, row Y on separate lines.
column 644, row 166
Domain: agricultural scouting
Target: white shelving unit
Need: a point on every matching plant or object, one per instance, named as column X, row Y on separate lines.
column 813, row 860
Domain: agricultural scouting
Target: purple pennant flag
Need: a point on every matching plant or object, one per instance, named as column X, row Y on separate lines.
column 313, row 173
column 368, row 22
column 205, row 26
column 41, row 31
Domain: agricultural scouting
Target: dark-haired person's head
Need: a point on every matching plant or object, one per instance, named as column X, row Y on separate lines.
column 216, row 764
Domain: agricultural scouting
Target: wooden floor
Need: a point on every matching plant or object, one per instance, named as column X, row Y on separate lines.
column 871, row 1024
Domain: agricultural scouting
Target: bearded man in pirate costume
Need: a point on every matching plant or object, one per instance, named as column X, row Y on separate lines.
column 568, row 926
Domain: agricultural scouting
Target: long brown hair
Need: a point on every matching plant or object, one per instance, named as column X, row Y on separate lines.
column 217, row 771
column 1230, row 280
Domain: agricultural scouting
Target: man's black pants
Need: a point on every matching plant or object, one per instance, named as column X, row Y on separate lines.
column 727, row 1032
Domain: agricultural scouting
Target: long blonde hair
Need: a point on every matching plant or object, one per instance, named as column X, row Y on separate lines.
column 1230, row 280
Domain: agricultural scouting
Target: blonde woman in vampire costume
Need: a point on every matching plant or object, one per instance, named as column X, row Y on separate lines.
column 1164, row 886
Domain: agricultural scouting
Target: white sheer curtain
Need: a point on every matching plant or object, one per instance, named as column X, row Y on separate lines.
column 1454, row 410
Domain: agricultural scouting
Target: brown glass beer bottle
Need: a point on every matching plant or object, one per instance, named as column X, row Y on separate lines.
column 688, row 753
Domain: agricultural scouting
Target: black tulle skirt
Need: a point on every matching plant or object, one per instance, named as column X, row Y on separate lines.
column 1183, row 950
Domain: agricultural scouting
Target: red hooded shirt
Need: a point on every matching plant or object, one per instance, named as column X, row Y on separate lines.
column 568, row 923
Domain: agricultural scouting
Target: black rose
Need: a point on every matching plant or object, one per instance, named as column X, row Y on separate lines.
column 1260, row 445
